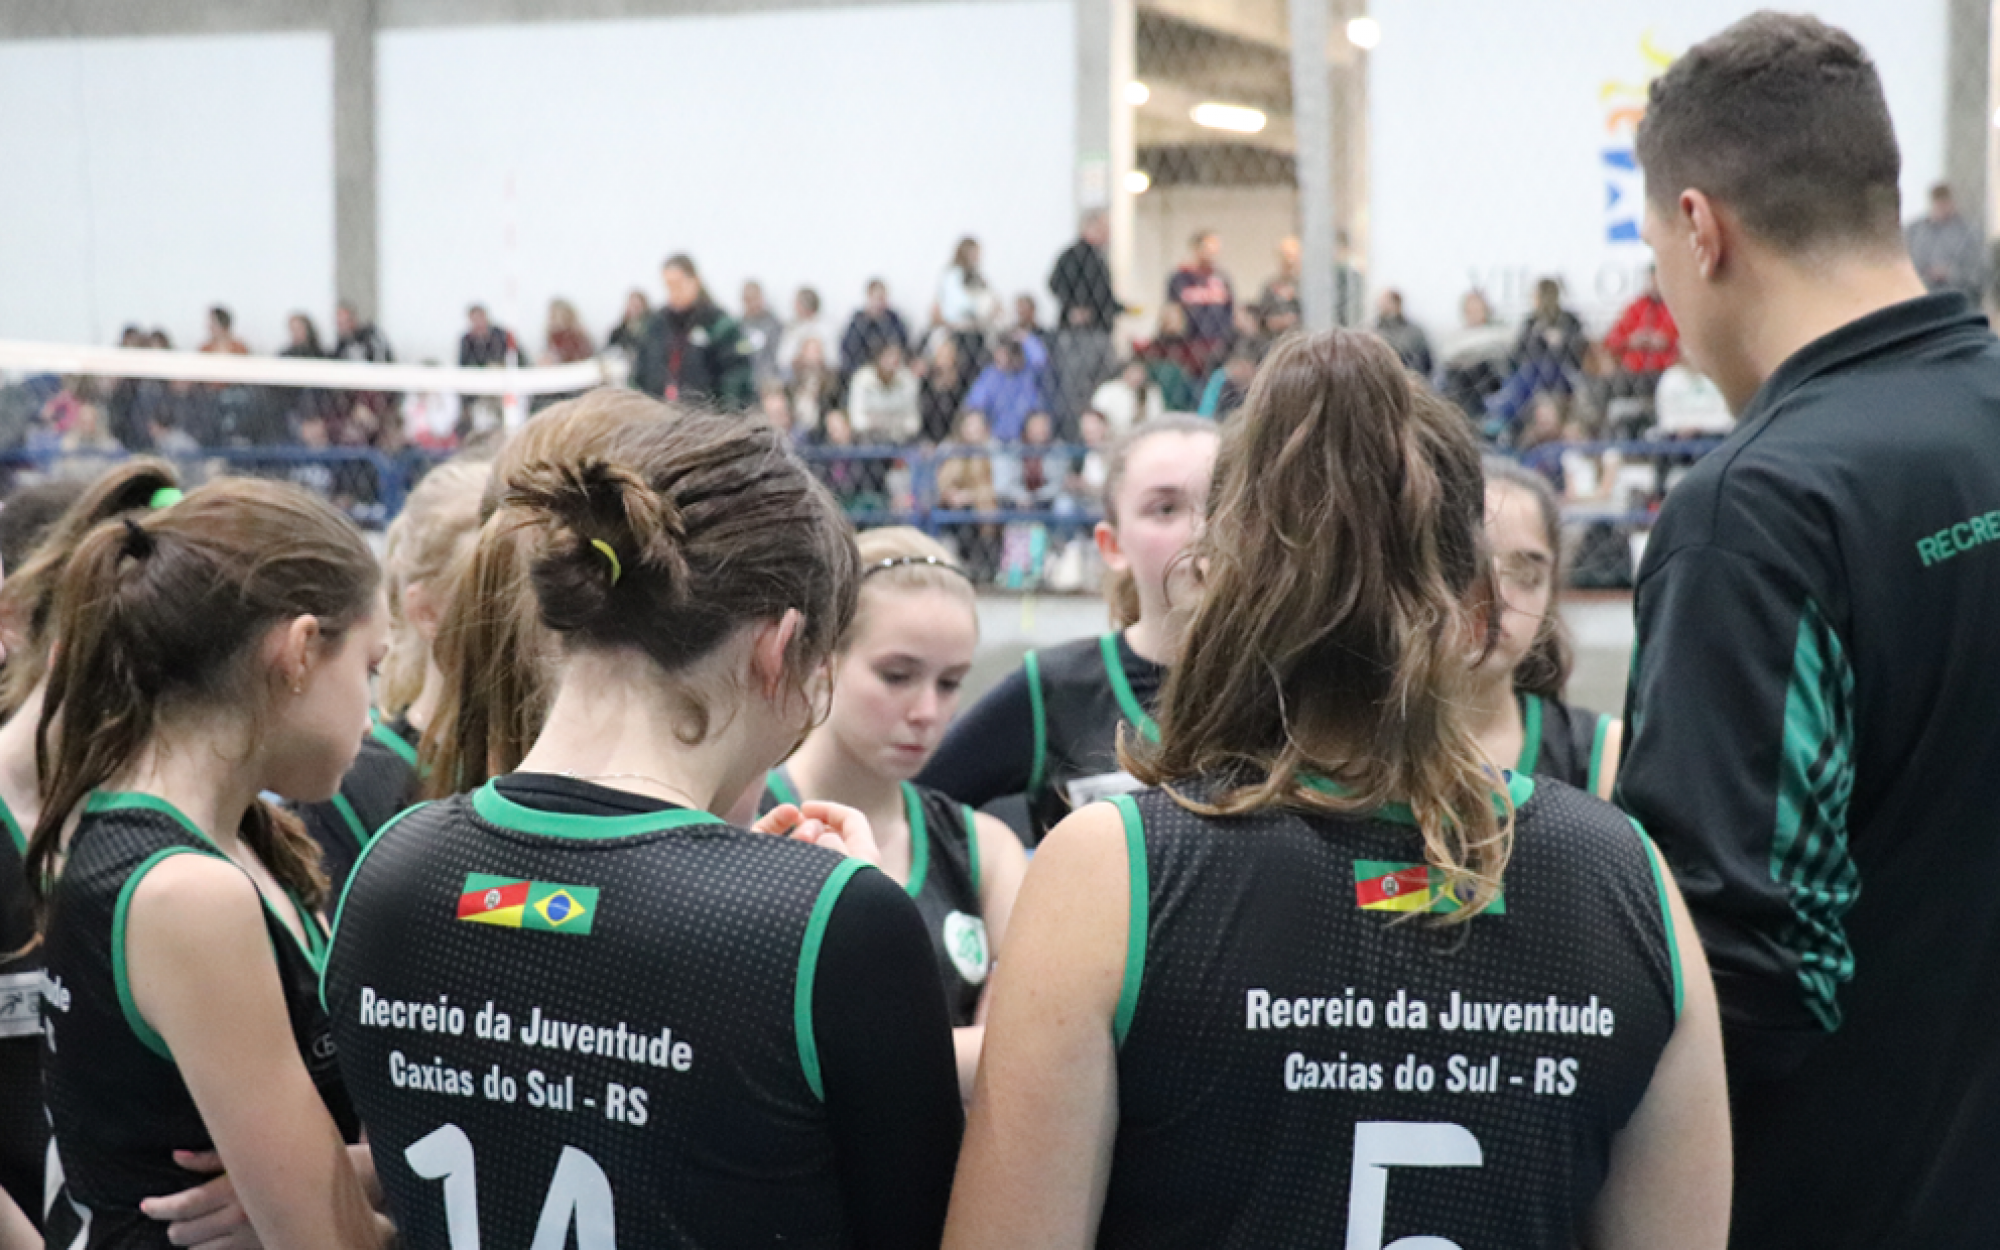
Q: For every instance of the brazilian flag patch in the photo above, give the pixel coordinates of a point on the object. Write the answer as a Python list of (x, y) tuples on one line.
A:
[(511, 903), (1384, 885)]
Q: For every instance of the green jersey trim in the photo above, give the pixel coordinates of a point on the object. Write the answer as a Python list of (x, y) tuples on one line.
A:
[(1666, 912), (1597, 751), (1031, 664), (13, 828), (972, 842), (802, 993), (340, 906), (1520, 788), (393, 740), (1809, 853), (920, 840), (498, 809), (353, 819), (1531, 733), (1139, 921), (1121, 689), (120, 975), (781, 787)]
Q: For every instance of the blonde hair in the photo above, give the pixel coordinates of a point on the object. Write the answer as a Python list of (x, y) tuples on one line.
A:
[(902, 543), (436, 524)]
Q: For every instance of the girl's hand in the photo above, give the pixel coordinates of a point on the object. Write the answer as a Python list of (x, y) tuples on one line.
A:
[(208, 1216), (830, 825)]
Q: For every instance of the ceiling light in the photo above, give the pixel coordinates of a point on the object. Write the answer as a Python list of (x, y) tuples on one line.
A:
[(1137, 93), (1245, 121), (1137, 182), (1364, 33)]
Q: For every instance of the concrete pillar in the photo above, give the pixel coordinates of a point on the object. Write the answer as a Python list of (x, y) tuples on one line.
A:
[(354, 221), (1106, 35)]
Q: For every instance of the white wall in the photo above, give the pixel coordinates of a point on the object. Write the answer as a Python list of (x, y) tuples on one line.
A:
[(147, 178), (822, 147), (1249, 220), (1489, 123)]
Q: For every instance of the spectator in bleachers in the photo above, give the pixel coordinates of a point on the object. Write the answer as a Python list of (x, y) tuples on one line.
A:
[(1349, 285), (1412, 346), (1229, 386), (1548, 356), (1034, 474), (1946, 248), (568, 342), (358, 340), (1644, 342), (1086, 311), (1688, 405), (1204, 294), (945, 383), (123, 422), (1129, 398), (310, 402), (776, 408), (484, 345), (762, 333), (856, 484), (692, 350), (873, 324), (221, 333), (1172, 359), (966, 305), (1473, 359), (1084, 486), (883, 399), (1006, 391), (1027, 328), (807, 327), (431, 418), (965, 483), (1547, 418), (631, 324), (1277, 309), (813, 387)]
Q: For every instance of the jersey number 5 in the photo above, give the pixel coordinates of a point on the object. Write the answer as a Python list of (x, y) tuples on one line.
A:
[(1383, 1144), (579, 1193)]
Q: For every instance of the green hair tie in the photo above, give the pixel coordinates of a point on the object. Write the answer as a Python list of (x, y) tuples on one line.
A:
[(617, 569), (166, 496)]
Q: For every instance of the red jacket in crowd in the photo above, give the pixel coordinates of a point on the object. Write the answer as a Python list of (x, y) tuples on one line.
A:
[(1645, 340)]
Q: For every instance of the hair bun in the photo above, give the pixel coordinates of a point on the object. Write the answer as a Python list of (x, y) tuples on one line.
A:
[(607, 526)]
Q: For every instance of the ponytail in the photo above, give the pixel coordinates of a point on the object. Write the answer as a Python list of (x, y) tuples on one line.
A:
[(1340, 560), (422, 548)]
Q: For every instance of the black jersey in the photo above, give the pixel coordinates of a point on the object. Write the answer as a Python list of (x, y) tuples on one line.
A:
[(24, 1129), (381, 783), (944, 884), (1049, 731), (1561, 741), (613, 1018), (1300, 1055), (116, 1099)]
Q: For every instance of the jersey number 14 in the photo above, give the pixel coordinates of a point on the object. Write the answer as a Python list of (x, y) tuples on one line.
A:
[(579, 1193)]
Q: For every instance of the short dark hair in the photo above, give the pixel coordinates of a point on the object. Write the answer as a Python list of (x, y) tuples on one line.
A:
[(1782, 118), (222, 317), (683, 262)]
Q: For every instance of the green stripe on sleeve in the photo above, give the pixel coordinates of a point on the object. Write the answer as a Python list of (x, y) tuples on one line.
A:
[(1597, 752), (1031, 664), (347, 888), (1121, 690), (1531, 733), (14, 830), (920, 840), (120, 974), (1666, 913), (353, 819), (394, 741), (781, 787), (802, 994), (972, 843), (1139, 920)]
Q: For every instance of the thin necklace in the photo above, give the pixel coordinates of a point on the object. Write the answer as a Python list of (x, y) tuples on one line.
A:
[(676, 791)]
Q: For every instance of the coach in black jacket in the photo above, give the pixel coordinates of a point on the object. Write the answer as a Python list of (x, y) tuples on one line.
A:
[(1812, 718), (690, 350)]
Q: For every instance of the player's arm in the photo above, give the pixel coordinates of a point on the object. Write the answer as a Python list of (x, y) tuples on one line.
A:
[(1002, 864), (1037, 1152), (1669, 1183), (1739, 760), (989, 751), (17, 1231), (1605, 767), (883, 1039), (205, 980)]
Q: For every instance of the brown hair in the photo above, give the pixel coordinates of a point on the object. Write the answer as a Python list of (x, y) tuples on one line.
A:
[(491, 646), (424, 544), (165, 611), (902, 543), (1342, 551), (1121, 591), (1546, 668), (27, 600), (677, 533), (1781, 117)]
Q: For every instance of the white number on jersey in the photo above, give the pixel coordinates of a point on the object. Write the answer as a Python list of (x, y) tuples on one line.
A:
[(1383, 1144), (579, 1194)]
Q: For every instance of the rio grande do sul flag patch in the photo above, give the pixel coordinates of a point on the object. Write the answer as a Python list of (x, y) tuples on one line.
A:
[(1385, 885), (512, 903)]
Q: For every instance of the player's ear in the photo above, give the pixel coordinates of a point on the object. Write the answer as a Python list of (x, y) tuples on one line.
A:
[(1708, 230), (1106, 537)]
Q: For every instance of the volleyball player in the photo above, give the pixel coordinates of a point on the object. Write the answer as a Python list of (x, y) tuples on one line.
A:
[(425, 541), (1049, 730), (1339, 983), (575, 999), (896, 676), (1516, 705), (216, 649)]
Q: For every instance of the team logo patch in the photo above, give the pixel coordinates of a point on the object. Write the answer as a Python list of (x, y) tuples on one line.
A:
[(1384, 885), (511, 903), (965, 942)]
